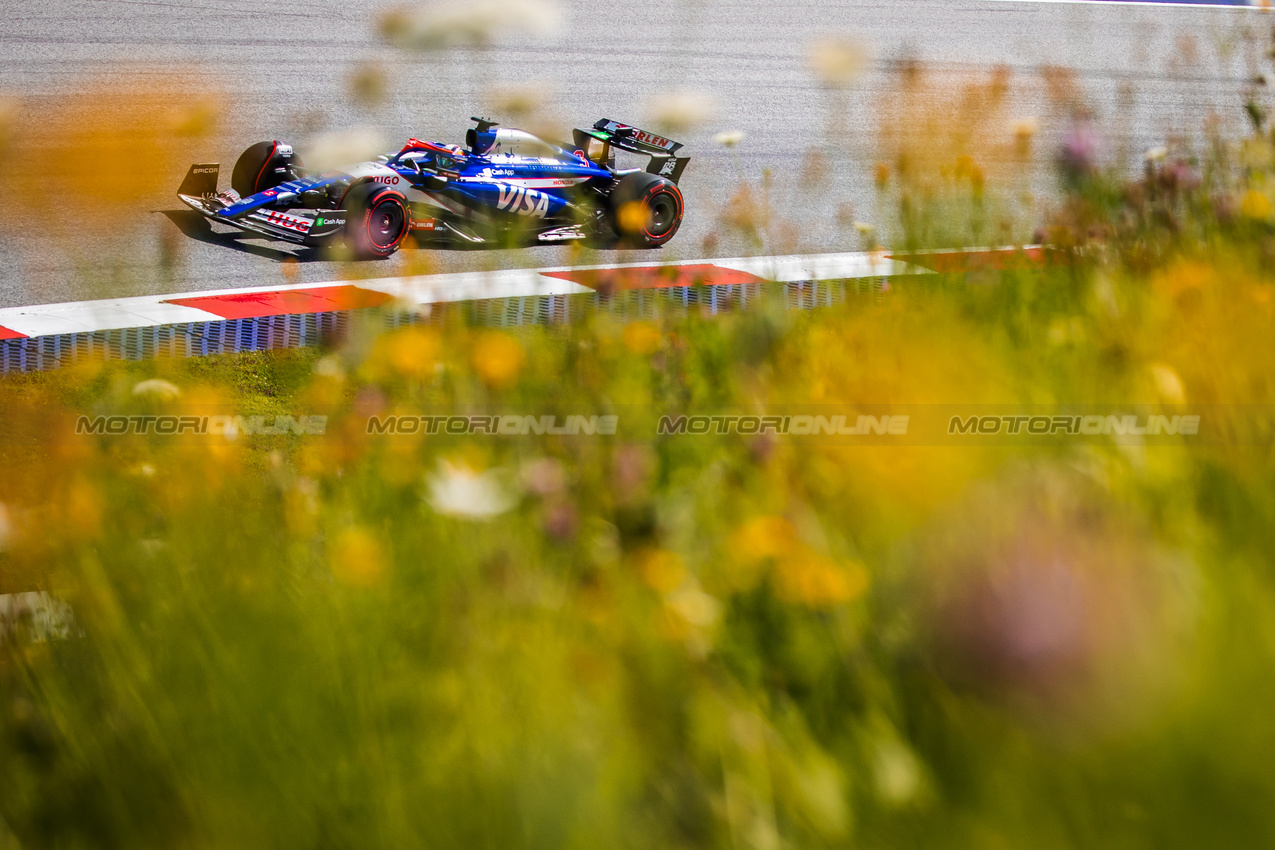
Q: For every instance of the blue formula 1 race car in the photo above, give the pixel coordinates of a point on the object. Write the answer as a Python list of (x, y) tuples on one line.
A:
[(506, 187)]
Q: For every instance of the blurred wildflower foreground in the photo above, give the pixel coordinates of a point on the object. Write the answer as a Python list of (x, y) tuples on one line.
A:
[(716, 641)]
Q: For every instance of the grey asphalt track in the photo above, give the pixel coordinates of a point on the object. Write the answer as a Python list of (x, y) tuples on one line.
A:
[(1149, 73)]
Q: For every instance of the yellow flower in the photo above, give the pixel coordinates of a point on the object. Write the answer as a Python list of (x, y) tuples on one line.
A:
[(84, 509), (8, 114), (498, 358), (196, 118), (358, 558), (881, 174), (663, 571), (641, 337), (410, 352), (1255, 205), (968, 169), (764, 537), (814, 580), (632, 218), (1184, 277), (750, 546), (1256, 153), (1023, 131), (87, 144), (6, 529), (400, 460)]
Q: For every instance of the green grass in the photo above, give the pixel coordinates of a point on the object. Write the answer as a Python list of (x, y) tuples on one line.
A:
[(715, 641)]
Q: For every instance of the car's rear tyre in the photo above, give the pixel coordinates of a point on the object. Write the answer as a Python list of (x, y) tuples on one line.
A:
[(263, 166), (646, 210), (376, 221)]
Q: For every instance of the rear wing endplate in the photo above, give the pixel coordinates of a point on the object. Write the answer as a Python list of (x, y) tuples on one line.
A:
[(663, 152)]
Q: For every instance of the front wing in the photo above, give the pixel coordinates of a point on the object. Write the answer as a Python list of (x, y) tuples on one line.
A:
[(302, 226)]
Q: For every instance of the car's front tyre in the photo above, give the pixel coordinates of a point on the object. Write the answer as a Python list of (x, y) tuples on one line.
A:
[(376, 221), (264, 166)]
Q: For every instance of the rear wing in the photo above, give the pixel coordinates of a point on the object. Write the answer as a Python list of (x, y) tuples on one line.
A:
[(663, 152)]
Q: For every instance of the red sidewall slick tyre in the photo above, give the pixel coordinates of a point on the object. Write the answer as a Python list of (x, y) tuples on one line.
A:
[(663, 214), (661, 205), (377, 220), (261, 167)]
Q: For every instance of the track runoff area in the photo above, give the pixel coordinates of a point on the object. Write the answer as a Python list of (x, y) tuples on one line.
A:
[(202, 323)]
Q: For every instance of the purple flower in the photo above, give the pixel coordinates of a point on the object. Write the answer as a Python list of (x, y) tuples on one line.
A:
[(1078, 158)]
